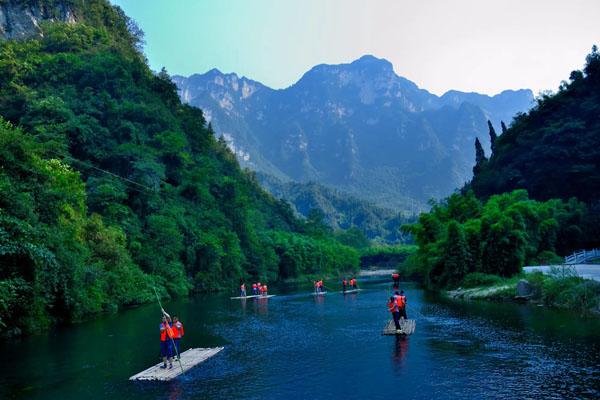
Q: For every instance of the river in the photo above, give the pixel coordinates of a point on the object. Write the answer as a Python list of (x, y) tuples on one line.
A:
[(294, 346)]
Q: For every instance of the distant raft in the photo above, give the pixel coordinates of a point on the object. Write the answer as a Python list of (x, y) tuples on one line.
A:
[(254, 296), (189, 359), (407, 327), (318, 293), (351, 291), (245, 297)]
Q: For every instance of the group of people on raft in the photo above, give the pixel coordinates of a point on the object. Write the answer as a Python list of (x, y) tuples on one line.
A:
[(351, 282), (319, 286), (171, 332), (257, 289)]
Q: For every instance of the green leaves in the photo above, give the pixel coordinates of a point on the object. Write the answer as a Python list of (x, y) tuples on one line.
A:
[(461, 235)]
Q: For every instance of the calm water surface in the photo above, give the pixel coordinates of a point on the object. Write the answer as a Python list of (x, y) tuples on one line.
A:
[(296, 346)]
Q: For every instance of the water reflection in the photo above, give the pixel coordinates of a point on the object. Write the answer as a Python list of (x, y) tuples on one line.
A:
[(400, 350), (319, 299), (261, 305), (175, 390)]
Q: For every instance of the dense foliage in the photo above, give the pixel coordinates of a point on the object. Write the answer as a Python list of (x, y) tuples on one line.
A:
[(464, 235), (552, 154), (553, 151), (109, 185)]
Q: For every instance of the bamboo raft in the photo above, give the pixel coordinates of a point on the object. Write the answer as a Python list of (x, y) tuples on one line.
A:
[(189, 359), (407, 327), (351, 291), (254, 296)]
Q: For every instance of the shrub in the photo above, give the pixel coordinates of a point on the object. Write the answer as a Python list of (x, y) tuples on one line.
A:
[(476, 279)]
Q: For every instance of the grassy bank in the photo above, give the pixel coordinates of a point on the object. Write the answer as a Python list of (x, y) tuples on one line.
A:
[(556, 289)]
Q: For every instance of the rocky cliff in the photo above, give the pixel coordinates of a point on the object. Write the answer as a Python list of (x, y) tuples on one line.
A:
[(21, 19)]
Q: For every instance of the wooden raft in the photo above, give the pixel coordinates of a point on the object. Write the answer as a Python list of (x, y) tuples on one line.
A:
[(407, 327), (189, 359)]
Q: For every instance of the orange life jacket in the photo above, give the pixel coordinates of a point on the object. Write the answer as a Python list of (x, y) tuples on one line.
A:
[(165, 331), (344, 282), (401, 301), (264, 288), (178, 330), (392, 306)]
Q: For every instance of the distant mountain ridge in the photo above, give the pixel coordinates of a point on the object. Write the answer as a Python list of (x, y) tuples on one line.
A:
[(358, 127), (341, 210)]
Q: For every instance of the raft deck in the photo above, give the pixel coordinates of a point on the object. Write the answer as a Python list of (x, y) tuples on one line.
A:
[(189, 359), (407, 327)]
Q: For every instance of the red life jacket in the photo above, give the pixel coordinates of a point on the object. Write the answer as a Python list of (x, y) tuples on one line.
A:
[(254, 286), (401, 301), (392, 306), (344, 282), (395, 276), (167, 331), (178, 330)]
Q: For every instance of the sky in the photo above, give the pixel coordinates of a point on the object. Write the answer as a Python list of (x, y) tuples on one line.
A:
[(482, 46)]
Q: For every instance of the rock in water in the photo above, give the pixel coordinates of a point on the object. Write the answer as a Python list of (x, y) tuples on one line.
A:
[(524, 288)]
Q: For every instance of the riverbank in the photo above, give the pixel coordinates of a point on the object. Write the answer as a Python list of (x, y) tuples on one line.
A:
[(552, 290)]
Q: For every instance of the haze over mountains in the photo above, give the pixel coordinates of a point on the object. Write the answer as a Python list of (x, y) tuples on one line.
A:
[(358, 127)]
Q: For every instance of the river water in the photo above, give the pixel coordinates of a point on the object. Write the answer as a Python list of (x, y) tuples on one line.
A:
[(296, 346)]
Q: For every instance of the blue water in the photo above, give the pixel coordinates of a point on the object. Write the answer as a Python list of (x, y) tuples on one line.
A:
[(296, 346)]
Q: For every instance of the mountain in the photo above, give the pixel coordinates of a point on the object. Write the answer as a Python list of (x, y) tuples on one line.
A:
[(357, 127)]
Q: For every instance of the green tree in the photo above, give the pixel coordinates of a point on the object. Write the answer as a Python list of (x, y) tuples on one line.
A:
[(457, 258), (493, 135)]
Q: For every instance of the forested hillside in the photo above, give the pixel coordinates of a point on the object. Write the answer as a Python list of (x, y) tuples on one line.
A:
[(535, 199), (109, 185), (340, 210), (554, 150)]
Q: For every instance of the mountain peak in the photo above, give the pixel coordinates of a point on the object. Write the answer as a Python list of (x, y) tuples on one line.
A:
[(370, 61)]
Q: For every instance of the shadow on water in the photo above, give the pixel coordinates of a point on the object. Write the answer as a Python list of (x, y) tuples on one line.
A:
[(298, 345)]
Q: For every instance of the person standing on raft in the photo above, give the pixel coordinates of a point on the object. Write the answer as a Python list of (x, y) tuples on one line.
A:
[(166, 338), (178, 331), (243, 290), (396, 278), (353, 283), (344, 284), (264, 290), (401, 303), (393, 307), (254, 289)]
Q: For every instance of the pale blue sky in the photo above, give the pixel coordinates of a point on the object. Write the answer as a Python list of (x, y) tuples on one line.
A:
[(471, 45)]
